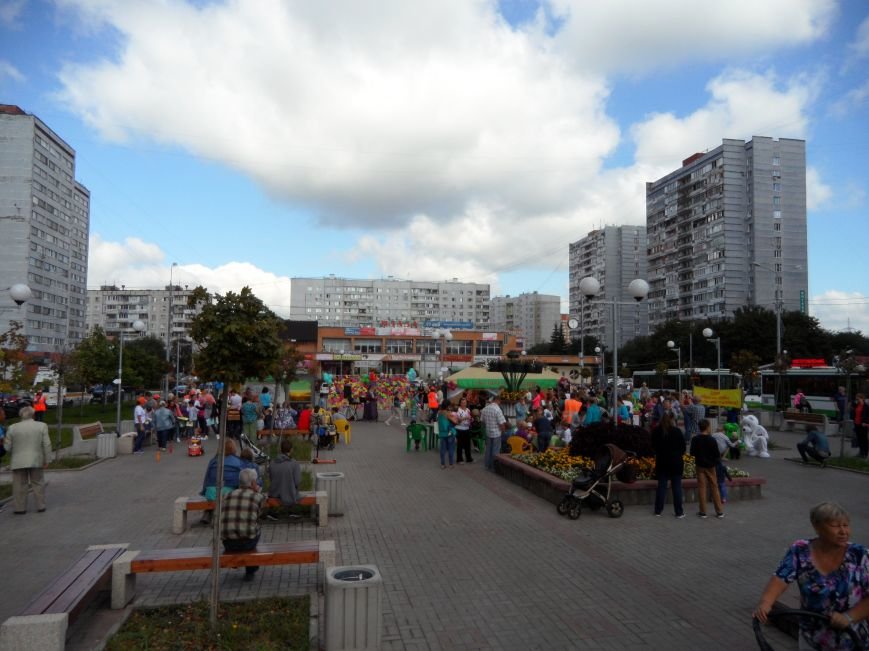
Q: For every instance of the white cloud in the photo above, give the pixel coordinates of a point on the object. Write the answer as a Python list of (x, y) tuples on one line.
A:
[(135, 263), (742, 104), (7, 70), (424, 120), (818, 193), (860, 45), (625, 35), (852, 100), (10, 12), (838, 310)]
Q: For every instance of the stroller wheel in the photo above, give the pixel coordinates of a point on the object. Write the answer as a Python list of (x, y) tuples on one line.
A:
[(564, 505), (615, 509), (575, 510)]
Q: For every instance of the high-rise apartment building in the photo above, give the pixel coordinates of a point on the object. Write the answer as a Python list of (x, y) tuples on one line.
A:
[(345, 302), (614, 256), (115, 308), (44, 224), (531, 316), (728, 229)]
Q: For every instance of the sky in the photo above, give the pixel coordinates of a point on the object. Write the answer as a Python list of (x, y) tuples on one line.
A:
[(252, 141)]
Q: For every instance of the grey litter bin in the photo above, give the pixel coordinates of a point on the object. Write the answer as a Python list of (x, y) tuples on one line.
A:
[(107, 445), (333, 484), (354, 608)]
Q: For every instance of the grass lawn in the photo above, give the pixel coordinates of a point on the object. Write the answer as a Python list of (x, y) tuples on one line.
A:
[(70, 463), (5, 491), (276, 623), (851, 463)]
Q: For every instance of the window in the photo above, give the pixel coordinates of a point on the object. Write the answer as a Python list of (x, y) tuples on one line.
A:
[(776, 201), (368, 346), (776, 160), (399, 346), (776, 226), (336, 345), (488, 348), (426, 346), (776, 187), (459, 347), (776, 214)]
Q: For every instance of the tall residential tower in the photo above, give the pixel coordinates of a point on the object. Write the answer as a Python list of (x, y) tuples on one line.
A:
[(531, 316), (44, 223), (614, 255), (728, 229)]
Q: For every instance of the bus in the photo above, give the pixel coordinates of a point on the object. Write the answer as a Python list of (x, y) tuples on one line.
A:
[(819, 384), (687, 379)]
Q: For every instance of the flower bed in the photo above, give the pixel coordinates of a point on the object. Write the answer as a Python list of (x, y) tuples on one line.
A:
[(559, 463)]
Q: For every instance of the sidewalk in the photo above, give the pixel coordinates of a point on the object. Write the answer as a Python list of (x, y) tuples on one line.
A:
[(469, 561)]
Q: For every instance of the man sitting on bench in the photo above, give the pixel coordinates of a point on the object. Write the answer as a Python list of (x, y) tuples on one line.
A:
[(285, 474), (240, 517)]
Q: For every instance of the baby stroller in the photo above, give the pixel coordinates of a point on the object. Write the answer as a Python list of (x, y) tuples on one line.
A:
[(259, 456), (595, 490)]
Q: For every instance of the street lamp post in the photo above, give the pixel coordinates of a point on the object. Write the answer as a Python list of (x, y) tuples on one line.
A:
[(602, 369), (707, 333), (341, 363), (638, 289), (169, 330), (676, 349), (138, 326)]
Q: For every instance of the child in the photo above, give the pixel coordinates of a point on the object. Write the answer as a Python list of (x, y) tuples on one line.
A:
[(704, 449)]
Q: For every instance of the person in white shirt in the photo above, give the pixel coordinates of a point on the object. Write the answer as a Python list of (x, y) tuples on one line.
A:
[(140, 417)]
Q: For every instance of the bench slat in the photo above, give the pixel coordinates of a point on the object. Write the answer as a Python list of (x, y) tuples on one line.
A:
[(205, 505), (71, 591), (199, 558)]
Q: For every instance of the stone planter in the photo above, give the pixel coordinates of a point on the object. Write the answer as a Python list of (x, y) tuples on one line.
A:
[(552, 489)]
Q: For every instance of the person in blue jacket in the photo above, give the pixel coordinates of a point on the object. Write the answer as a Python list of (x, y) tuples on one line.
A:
[(232, 466)]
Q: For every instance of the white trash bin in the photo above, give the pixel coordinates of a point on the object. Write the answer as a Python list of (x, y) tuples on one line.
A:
[(333, 484), (354, 608), (107, 445), (125, 443)]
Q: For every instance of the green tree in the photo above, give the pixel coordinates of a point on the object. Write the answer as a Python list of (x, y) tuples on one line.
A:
[(144, 362), (238, 339), (557, 342), (94, 360), (13, 353), (661, 369)]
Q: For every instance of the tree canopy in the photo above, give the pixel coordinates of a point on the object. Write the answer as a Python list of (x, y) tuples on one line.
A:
[(237, 336)]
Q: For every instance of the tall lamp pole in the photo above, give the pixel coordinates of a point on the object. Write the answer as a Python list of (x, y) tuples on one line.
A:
[(676, 349), (707, 332), (638, 290), (169, 330), (138, 326)]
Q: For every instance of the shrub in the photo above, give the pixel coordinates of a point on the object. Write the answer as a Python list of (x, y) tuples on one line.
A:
[(587, 441)]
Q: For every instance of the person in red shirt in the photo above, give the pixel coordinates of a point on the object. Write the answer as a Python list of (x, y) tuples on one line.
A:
[(39, 407), (860, 416)]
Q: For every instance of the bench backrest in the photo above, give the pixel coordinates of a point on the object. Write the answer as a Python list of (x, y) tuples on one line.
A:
[(90, 431)]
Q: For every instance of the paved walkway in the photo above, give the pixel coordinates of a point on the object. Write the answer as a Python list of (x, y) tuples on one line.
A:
[(469, 561)]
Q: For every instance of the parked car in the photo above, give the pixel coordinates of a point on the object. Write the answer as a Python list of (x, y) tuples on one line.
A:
[(100, 391), (13, 403)]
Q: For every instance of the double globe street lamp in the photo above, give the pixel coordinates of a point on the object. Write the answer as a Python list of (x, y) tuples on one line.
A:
[(707, 333), (638, 289)]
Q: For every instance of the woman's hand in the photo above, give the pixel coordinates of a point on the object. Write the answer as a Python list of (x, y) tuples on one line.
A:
[(840, 620), (761, 612)]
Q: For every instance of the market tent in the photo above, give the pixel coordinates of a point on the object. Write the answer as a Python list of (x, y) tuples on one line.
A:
[(475, 377)]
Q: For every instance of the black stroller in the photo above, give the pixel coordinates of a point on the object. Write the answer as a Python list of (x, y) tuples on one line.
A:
[(595, 490), (259, 456)]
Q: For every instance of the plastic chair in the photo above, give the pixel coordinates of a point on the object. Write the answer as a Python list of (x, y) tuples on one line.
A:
[(343, 428), (518, 445), (478, 438), (416, 433)]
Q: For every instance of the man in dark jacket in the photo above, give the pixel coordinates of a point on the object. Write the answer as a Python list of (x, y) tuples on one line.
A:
[(704, 449), (285, 473)]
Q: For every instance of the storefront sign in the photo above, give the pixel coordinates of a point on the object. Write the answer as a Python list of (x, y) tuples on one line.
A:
[(808, 363), (401, 357), (458, 358), (489, 336), (450, 325), (398, 331)]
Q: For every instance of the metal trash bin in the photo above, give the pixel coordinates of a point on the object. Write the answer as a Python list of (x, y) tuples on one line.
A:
[(107, 445), (333, 484), (354, 608)]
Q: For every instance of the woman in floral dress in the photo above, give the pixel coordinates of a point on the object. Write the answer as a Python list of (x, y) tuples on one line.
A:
[(833, 577)]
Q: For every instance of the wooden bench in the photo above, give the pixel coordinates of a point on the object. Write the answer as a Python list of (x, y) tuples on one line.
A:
[(131, 563), (84, 438), (45, 620), (183, 505), (795, 417)]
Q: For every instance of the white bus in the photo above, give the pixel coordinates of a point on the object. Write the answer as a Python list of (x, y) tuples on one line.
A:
[(819, 384)]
